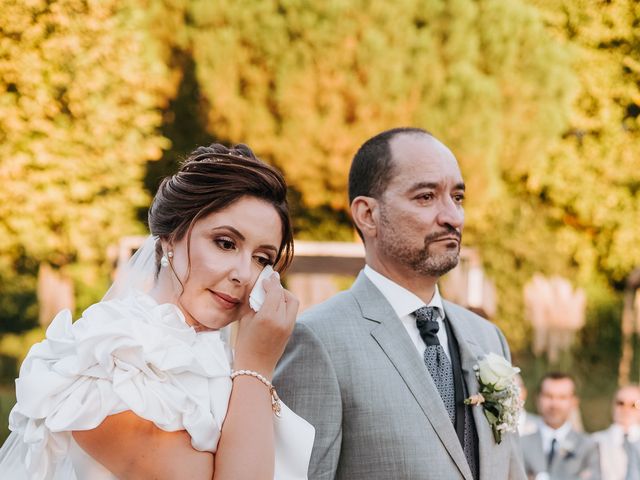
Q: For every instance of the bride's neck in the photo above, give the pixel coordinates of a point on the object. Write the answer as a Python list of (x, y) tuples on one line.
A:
[(164, 290)]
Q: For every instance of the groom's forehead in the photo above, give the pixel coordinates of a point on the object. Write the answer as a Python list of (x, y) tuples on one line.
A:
[(422, 158)]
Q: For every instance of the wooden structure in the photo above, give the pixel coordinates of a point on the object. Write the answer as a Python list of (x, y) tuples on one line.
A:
[(630, 325)]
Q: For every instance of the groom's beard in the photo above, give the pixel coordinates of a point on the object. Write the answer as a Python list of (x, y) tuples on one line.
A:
[(420, 259)]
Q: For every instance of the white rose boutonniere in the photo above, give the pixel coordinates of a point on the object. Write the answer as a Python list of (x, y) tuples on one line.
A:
[(499, 394)]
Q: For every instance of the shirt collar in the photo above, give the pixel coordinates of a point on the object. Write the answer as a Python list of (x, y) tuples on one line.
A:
[(403, 301), (633, 433), (559, 434)]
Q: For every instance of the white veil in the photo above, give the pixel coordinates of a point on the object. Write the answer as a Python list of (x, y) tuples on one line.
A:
[(138, 274)]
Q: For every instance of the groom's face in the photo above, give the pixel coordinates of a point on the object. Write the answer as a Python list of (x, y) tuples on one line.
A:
[(421, 213)]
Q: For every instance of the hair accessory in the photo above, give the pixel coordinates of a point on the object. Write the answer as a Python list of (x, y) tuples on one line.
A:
[(276, 406)]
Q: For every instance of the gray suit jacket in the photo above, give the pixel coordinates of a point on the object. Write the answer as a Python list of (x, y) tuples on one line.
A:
[(352, 371), (576, 459)]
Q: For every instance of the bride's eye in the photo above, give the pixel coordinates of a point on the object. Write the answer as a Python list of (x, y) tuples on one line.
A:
[(263, 261), (225, 243)]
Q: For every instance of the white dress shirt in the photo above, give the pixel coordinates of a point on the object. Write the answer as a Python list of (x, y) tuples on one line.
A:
[(404, 303), (548, 434)]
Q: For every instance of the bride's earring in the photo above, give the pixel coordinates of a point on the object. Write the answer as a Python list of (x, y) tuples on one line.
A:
[(164, 261)]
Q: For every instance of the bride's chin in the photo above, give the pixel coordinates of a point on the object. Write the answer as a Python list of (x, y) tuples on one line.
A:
[(216, 323), (201, 328)]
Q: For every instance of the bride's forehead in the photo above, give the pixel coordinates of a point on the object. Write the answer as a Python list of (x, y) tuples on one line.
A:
[(250, 216)]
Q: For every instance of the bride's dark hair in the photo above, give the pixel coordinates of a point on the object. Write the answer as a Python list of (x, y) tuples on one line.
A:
[(210, 179)]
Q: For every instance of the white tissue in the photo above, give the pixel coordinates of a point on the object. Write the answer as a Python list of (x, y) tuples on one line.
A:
[(256, 297)]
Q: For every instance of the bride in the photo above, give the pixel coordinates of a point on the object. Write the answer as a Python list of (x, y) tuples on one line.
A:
[(145, 385)]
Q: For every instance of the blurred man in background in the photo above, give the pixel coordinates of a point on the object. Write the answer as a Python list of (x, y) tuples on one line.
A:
[(620, 443), (557, 451), (527, 422)]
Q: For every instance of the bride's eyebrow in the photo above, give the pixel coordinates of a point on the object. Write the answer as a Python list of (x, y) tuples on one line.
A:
[(241, 237), (231, 229)]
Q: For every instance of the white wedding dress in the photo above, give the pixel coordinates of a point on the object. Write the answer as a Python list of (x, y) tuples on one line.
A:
[(127, 354)]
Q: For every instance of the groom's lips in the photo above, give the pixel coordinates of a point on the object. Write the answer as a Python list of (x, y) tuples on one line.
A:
[(448, 235), (454, 241)]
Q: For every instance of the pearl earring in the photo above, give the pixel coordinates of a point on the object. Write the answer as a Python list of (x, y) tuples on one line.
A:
[(164, 261)]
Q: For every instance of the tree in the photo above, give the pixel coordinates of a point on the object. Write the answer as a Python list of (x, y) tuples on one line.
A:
[(306, 84), (82, 84), (591, 180)]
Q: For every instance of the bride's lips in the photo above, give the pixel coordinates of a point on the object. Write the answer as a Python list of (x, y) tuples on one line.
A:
[(224, 300)]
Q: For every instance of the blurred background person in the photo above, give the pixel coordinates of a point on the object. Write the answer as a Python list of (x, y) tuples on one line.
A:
[(557, 451), (527, 422), (620, 443)]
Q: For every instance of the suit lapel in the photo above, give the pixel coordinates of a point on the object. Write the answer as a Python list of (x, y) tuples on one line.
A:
[(568, 448), (470, 353), (536, 453), (391, 336)]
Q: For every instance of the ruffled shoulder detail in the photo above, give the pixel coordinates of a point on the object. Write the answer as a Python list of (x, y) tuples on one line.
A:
[(123, 354)]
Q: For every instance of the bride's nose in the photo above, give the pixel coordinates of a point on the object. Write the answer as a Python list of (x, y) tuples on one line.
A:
[(241, 271)]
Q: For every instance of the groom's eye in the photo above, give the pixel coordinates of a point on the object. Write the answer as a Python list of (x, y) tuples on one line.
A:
[(426, 197)]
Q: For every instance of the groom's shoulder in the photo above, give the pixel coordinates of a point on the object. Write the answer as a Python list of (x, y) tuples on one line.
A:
[(331, 314), (482, 328), (468, 315)]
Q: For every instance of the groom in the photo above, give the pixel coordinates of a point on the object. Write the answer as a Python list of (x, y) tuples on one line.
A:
[(382, 369)]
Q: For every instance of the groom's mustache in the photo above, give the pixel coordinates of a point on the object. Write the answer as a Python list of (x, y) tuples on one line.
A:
[(450, 232)]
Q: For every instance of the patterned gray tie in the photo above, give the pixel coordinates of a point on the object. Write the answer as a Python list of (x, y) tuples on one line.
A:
[(441, 371), (435, 359)]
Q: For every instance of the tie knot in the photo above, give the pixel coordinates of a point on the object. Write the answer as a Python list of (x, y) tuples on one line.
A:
[(427, 323)]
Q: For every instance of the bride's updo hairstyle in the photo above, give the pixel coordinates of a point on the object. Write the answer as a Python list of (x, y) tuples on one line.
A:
[(211, 179)]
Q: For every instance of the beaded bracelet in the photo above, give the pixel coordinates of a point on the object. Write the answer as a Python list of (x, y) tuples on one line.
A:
[(276, 406)]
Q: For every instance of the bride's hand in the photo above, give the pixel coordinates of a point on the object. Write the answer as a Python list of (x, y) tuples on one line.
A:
[(262, 336)]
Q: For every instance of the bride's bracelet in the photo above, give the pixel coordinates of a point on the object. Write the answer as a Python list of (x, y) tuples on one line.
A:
[(276, 406)]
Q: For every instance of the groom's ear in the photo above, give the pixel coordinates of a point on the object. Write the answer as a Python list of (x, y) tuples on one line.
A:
[(364, 212)]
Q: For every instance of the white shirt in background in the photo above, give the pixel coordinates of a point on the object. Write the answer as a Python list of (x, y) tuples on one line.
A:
[(548, 434), (613, 458)]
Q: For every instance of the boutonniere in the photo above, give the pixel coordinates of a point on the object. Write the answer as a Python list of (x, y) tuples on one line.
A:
[(498, 394), (567, 449)]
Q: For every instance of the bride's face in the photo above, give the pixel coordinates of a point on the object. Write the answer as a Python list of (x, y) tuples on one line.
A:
[(228, 250)]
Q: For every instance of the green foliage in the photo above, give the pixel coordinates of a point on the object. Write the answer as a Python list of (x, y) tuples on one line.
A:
[(18, 309), (17, 345), (592, 178), (82, 84), (573, 209), (184, 123), (305, 84), (538, 99), (7, 400)]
